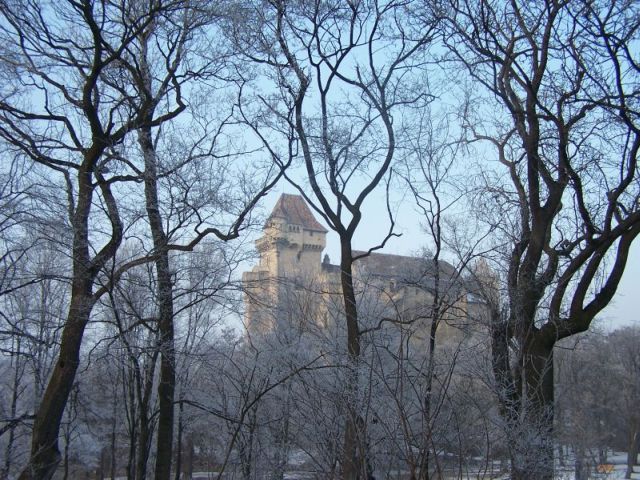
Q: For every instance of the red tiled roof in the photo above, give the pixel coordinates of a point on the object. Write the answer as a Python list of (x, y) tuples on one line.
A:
[(293, 209)]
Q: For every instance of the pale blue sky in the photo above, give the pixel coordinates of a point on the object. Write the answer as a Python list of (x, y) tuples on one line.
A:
[(622, 311)]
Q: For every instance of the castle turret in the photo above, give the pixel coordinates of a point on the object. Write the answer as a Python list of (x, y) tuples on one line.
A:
[(293, 289), (293, 239), (290, 252)]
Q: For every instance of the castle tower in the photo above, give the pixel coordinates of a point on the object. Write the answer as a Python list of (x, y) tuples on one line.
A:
[(293, 239), (290, 251), (292, 289)]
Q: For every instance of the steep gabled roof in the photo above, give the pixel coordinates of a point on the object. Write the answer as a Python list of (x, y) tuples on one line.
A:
[(293, 209)]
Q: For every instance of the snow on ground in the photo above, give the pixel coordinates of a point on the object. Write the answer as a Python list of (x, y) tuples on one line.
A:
[(617, 459)]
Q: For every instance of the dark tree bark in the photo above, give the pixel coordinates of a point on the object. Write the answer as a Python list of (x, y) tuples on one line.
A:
[(310, 59), (164, 287), (180, 441), (81, 60), (71, 141), (13, 412), (633, 448), (166, 384), (560, 71), (45, 453), (144, 381)]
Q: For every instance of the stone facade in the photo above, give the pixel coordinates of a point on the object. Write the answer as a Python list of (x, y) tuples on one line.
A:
[(289, 252), (292, 287)]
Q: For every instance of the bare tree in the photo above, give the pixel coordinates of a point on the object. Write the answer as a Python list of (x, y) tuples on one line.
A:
[(561, 83), (87, 77), (33, 310), (337, 108), (623, 346), (431, 173), (14, 208), (586, 390), (69, 54)]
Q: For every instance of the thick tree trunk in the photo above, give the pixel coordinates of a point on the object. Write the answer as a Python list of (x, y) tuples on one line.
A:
[(354, 459), (526, 397), (166, 386), (632, 450), (533, 454), (144, 445), (165, 418), (45, 454)]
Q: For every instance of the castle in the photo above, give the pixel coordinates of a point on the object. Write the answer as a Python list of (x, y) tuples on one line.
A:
[(292, 287)]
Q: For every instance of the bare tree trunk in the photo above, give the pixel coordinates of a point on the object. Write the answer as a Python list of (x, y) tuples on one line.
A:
[(328, 160), (353, 434), (65, 463), (187, 462), (179, 450), (533, 454), (71, 414), (428, 398), (245, 448), (144, 444), (166, 385), (100, 111), (12, 411), (45, 454), (130, 405), (146, 430), (112, 450), (526, 398), (632, 450)]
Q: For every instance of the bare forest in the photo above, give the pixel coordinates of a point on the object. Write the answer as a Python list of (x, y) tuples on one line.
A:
[(161, 318)]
